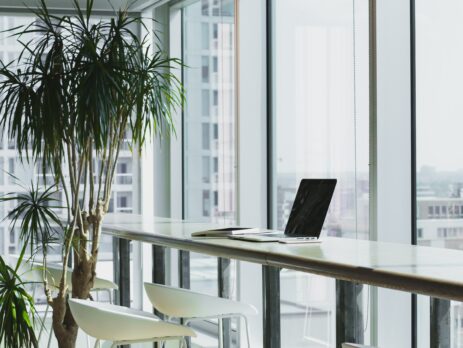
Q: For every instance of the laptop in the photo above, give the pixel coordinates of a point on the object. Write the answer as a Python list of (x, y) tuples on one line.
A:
[(307, 215)]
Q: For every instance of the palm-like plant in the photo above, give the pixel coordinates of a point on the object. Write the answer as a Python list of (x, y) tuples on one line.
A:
[(17, 311), (78, 88)]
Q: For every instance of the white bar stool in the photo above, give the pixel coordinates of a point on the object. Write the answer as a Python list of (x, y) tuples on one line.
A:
[(192, 306), (33, 272), (53, 278), (122, 325)]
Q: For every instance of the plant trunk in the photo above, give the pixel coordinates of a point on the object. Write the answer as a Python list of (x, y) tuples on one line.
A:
[(64, 325), (83, 277)]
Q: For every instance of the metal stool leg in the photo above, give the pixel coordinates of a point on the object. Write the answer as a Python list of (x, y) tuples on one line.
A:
[(42, 326), (49, 336), (220, 333), (246, 324), (109, 296)]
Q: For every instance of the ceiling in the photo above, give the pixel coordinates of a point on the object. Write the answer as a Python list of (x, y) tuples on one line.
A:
[(101, 5)]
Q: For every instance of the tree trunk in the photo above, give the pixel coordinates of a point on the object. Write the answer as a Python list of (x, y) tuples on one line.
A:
[(83, 277), (64, 326)]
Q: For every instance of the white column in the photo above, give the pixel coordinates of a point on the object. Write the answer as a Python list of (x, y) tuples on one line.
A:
[(252, 144), (392, 157)]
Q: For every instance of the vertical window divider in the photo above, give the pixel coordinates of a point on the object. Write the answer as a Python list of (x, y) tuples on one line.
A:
[(373, 197), (414, 305)]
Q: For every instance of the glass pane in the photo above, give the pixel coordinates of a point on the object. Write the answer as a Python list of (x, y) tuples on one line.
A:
[(209, 120), (439, 72), (321, 130), (209, 125)]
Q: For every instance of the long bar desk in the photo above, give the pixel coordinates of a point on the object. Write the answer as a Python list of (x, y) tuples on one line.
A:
[(417, 269)]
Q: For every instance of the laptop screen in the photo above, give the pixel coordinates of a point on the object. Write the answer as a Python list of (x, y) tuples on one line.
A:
[(310, 207)]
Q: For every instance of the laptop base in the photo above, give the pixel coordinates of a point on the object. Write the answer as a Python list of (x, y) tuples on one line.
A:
[(275, 237)]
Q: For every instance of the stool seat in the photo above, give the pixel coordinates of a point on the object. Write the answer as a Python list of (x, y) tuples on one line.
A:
[(33, 272), (190, 305), (116, 323), (183, 303), (54, 276)]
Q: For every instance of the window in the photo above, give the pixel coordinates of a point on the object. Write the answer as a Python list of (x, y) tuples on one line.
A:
[(216, 198), (215, 97), (206, 203), (215, 64), (124, 171), (11, 170), (208, 154), (205, 69), (215, 31), (12, 237), (124, 202), (122, 168), (195, 19), (439, 72), (205, 40), (205, 102), (206, 169), (320, 104), (206, 136), (216, 131), (205, 7), (215, 8)]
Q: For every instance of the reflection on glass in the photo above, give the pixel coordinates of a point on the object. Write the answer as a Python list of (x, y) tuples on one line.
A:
[(321, 130), (439, 53)]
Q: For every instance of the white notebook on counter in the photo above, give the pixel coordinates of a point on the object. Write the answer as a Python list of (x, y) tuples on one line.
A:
[(227, 231)]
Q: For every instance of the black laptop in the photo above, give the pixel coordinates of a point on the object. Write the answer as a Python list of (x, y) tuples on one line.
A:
[(307, 215)]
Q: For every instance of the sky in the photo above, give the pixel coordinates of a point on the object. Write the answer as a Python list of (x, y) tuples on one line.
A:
[(314, 108), (439, 71)]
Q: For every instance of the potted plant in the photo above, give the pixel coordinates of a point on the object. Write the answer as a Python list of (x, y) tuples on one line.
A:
[(78, 88)]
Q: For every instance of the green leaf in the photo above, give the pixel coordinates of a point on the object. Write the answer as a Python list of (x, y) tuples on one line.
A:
[(17, 310)]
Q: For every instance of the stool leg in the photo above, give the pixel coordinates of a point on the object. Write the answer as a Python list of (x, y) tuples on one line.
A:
[(49, 336), (220, 333), (42, 326), (247, 330), (186, 322)]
